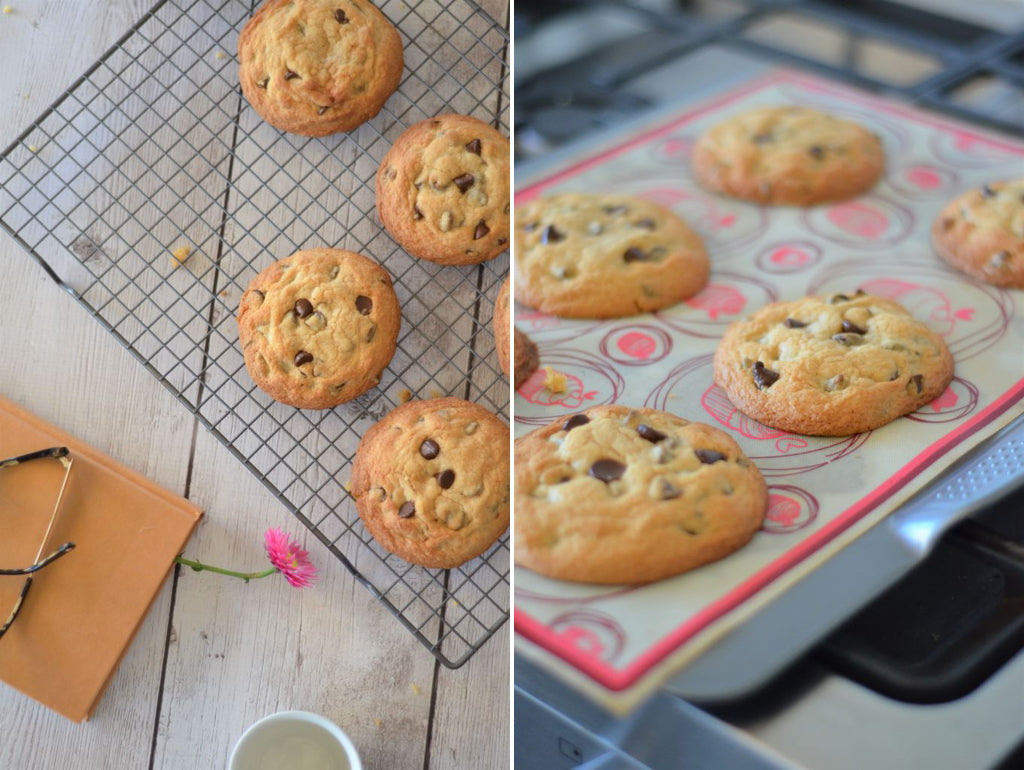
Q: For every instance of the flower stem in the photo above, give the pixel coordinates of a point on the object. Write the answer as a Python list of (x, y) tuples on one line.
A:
[(198, 566)]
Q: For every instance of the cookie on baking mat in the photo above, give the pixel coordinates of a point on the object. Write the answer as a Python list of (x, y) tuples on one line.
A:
[(831, 365), (604, 256), (443, 190), (431, 481), (618, 495), (788, 156), (317, 328), (315, 67), (982, 233), (527, 357)]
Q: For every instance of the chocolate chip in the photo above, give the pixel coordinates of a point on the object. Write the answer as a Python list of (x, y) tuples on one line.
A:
[(416, 213), (708, 456), (364, 304), (446, 478), (303, 308), (669, 491), (848, 339), (616, 210), (464, 182), (407, 509), (646, 224), (816, 151), (835, 299), (918, 381), (764, 377), (575, 421), (895, 375), (762, 138), (649, 433), (429, 449), (792, 323), (302, 357), (322, 110), (986, 191), (551, 234), (481, 230), (633, 255), (289, 75), (501, 241), (339, 16), (263, 83), (607, 470), (474, 146), (850, 326)]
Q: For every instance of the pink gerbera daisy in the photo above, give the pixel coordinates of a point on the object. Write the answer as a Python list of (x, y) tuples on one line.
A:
[(290, 559)]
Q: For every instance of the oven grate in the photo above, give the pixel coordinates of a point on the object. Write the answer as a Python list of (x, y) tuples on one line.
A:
[(154, 149)]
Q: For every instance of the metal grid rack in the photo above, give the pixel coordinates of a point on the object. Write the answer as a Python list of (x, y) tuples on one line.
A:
[(154, 148)]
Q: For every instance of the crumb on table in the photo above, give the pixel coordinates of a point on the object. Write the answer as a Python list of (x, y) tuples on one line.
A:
[(435, 393), (405, 395), (180, 254), (8, 9), (219, 55), (33, 148), (415, 689), (378, 722), (555, 382)]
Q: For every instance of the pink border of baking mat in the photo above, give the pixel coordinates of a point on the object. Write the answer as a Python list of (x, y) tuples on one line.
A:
[(618, 679)]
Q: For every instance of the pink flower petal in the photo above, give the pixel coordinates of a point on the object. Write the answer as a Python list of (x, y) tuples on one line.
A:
[(290, 559)]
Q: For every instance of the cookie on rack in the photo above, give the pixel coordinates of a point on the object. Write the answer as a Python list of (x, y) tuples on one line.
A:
[(617, 495), (790, 156), (431, 481), (443, 190), (316, 67), (981, 233), (527, 357), (584, 255), (318, 328), (831, 365)]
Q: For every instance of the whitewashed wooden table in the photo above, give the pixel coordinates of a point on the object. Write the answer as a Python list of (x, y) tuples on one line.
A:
[(214, 654)]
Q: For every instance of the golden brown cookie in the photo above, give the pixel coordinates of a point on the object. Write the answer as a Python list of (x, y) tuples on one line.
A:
[(443, 190), (981, 233), (315, 67), (831, 365), (604, 256), (791, 156), (317, 328), (431, 481), (527, 359), (619, 495)]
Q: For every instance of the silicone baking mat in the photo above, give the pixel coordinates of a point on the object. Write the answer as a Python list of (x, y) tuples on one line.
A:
[(823, 491)]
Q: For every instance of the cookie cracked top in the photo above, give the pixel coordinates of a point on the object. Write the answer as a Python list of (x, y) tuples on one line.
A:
[(604, 256), (443, 190), (831, 365), (431, 481), (981, 233), (318, 328), (788, 156), (315, 67), (620, 495)]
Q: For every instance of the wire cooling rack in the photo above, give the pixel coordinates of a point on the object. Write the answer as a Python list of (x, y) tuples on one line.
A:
[(154, 149)]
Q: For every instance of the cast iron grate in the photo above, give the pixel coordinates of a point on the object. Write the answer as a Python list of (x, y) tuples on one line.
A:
[(154, 148)]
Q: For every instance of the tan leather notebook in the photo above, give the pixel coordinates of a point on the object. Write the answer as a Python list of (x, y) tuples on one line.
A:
[(83, 609)]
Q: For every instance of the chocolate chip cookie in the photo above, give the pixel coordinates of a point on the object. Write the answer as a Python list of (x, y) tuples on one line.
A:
[(619, 495), (526, 354), (604, 256), (315, 67), (431, 481), (831, 365), (317, 328), (443, 190), (982, 233), (792, 156)]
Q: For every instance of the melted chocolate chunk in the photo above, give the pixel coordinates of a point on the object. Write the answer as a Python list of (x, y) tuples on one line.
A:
[(263, 83), (407, 509), (616, 210), (364, 304), (464, 182), (446, 478), (289, 75), (848, 339), (474, 146), (551, 234), (708, 456), (303, 308), (429, 449), (322, 110), (986, 191), (918, 380), (340, 17), (649, 433), (481, 230), (646, 224), (669, 491), (850, 326), (764, 377), (633, 254), (792, 323), (302, 357), (607, 470), (816, 151), (416, 213), (835, 299), (575, 421)]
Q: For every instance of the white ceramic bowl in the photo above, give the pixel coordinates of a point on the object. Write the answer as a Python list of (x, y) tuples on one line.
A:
[(294, 739)]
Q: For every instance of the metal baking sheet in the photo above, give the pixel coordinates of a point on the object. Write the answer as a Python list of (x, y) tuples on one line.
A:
[(620, 643)]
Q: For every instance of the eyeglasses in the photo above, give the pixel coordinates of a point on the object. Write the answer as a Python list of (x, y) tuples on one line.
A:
[(59, 453)]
